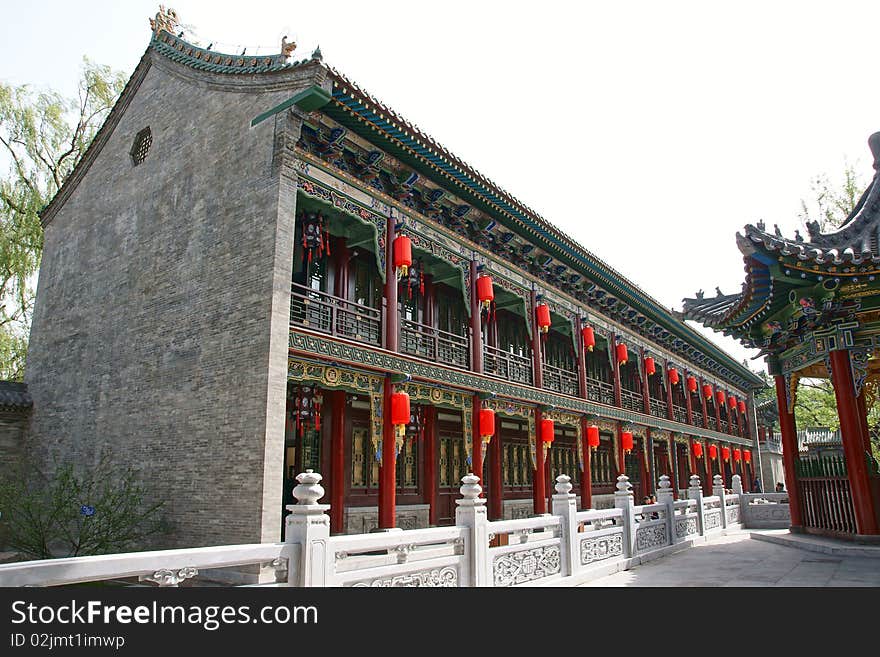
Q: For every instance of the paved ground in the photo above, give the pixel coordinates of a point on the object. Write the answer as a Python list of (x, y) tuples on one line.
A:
[(739, 560)]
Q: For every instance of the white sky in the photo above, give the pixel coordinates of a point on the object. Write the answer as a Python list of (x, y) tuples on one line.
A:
[(649, 131)]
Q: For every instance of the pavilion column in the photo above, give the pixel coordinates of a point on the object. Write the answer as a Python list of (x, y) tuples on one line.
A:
[(717, 406), (587, 474), (670, 413), (538, 488), (672, 455), (476, 441), (392, 318), (476, 328), (648, 465), (692, 460), (496, 483), (537, 360), (337, 461), (853, 446), (643, 383), (789, 451), (388, 469), (430, 463)]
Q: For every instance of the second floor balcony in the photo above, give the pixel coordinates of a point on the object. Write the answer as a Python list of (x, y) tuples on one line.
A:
[(333, 315), (631, 401), (658, 407), (679, 414), (433, 344), (560, 380), (600, 391), (505, 365)]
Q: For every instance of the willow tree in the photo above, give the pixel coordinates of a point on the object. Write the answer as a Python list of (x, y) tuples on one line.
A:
[(42, 136)]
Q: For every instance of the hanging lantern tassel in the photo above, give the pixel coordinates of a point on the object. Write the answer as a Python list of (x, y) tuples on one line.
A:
[(487, 425), (673, 376), (698, 450), (400, 413), (692, 383), (547, 431), (713, 452), (319, 399), (725, 453), (742, 406), (402, 255), (707, 391), (593, 437), (747, 456), (626, 440), (650, 367), (736, 455)]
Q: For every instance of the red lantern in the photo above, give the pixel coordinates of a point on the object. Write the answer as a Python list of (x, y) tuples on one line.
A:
[(742, 406), (626, 439), (400, 413), (698, 450), (487, 424), (747, 456), (622, 356), (593, 437), (589, 338), (650, 368), (543, 314), (713, 451), (707, 391), (719, 397), (736, 454), (547, 431), (485, 292), (725, 453), (692, 383), (402, 255), (673, 376), (731, 401)]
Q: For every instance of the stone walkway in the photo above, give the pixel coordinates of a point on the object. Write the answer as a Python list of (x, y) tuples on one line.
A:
[(737, 559)]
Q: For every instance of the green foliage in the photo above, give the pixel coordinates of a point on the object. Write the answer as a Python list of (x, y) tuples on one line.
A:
[(815, 405), (832, 201), (42, 137), (51, 516)]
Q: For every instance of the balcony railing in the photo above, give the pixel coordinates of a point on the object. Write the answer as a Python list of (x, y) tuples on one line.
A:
[(433, 344), (679, 414), (600, 391), (698, 419), (631, 401), (658, 408), (512, 367), (725, 428), (326, 313), (560, 380)]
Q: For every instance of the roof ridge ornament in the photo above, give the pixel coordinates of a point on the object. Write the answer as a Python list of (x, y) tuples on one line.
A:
[(287, 47), (166, 19)]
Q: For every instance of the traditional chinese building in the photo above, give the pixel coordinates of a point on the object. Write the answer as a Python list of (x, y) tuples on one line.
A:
[(258, 268), (812, 307)]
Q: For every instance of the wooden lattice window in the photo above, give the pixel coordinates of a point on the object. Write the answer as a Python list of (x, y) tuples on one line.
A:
[(141, 146)]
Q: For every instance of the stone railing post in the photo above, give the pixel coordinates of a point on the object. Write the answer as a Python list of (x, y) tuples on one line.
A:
[(737, 485), (564, 505), (623, 499), (695, 492), (308, 525), (471, 513), (665, 496), (718, 489)]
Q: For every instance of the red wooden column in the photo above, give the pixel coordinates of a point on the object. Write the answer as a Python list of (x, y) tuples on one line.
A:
[(538, 487), (337, 460), (476, 328), (388, 469), (496, 483), (582, 359), (430, 463), (672, 455), (621, 455), (392, 317), (647, 462), (703, 403), (587, 474), (643, 383), (670, 413), (688, 402), (789, 452), (476, 441), (615, 370), (692, 460), (717, 413), (853, 446), (537, 361)]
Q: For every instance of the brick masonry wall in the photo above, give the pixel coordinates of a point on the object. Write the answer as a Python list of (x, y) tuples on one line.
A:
[(161, 320)]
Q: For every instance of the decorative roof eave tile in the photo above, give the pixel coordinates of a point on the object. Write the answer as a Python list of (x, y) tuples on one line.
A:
[(183, 52), (349, 97)]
